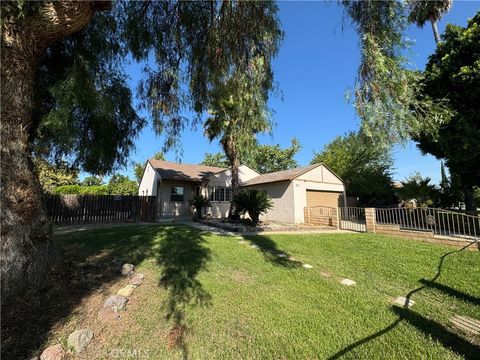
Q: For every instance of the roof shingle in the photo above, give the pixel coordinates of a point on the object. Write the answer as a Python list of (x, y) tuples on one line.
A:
[(189, 172), (280, 175)]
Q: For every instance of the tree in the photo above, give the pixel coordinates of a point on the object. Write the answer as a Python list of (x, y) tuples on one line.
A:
[(138, 169), (452, 73), (159, 156), (217, 160), (122, 185), (415, 187), (254, 202), (92, 181), (364, 167), (63, 100), (54, 175), (385, 92), (270, 158), (428, 10)]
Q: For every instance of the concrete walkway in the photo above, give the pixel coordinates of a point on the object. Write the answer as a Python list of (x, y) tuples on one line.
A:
[(219, 231)]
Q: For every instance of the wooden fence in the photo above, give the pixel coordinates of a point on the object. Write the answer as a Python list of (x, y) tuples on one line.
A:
[(80, 209)]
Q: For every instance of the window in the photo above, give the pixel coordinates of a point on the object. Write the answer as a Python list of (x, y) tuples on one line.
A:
[(219, 193), (176, 193)]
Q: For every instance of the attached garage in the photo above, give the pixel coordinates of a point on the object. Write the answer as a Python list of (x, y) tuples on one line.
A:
[(292, 191), (323, 198)]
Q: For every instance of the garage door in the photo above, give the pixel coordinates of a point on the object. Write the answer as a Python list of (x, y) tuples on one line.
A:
[(323, 198)]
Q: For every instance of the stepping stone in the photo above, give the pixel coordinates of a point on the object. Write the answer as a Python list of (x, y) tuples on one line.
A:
[(403, 301), (54, 352), (137, 280), (241, 242), (107, 315), (307, 266), (348, 282), (466, 324), (127, 269), (281, 255), (254, 246), (79, 339), (126, 291), (116, 302)]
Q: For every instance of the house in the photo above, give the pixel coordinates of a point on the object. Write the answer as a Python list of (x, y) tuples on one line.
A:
[(174, 184)]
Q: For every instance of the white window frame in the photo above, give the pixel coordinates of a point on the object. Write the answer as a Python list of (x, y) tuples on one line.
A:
[(219, 193)]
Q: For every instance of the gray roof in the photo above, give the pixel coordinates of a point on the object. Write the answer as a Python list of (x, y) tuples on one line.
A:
[(188, 172), (280, 175)]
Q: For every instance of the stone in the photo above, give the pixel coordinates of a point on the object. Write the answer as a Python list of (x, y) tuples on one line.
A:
[(307, 266), (348, 282), (115, 302), (137, 279), (126, 291), (241, 242), (281, 255), (107, 315), (254, 246), (127, 269), (79, 339), (403, 301), (54, 352)]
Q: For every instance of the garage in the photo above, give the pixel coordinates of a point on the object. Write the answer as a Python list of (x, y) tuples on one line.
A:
[(323, 198)]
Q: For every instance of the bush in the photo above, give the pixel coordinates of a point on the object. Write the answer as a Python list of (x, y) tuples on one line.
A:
[(199, 202), (80, 190), (253, 201)]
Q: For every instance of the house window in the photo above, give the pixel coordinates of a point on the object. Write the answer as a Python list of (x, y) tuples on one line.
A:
[(176, 193), (219, 193)]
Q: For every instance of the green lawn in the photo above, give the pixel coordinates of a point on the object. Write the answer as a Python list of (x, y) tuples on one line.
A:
[(211, 297)]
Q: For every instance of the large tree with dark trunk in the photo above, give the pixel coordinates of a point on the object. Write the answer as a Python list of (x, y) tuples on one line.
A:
[(64, 94)]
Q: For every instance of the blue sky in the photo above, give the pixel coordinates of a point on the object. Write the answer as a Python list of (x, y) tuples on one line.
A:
[(316, 65)]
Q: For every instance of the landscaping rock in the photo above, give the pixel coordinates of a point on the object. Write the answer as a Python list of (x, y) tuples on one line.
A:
[(307, 266), (281, 255), (127, 269), (54, 352), (126, 291), (403, 301), (115, 302), (79, 339), (107, 315), (348, 282), (136, 280), (254, 246)]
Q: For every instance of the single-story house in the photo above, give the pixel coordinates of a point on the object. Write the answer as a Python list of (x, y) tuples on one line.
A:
[(174, 184)]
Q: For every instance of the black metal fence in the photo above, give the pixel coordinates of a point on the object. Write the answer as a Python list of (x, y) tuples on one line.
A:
[(439, 221), (352, 218)]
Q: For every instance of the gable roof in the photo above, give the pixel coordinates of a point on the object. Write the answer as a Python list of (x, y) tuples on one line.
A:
[(280, 175), (189, 172)]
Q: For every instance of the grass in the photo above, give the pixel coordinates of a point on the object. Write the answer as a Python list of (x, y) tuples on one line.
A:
[(207, 296)]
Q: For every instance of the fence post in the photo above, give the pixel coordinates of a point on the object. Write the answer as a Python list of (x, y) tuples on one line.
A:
[(370, 219), (339, 218)]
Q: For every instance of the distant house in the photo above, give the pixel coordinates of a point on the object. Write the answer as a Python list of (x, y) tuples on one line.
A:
[(174, 184)]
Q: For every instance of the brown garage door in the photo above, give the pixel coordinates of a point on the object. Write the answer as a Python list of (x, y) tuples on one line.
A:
[(322, 198)]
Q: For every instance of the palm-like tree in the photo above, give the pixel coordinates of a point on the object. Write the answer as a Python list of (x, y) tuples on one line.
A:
[(429, 10), (238, 113)]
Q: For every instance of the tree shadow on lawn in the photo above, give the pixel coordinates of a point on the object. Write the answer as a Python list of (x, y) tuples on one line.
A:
[(427, 326), (27, 323), (270, 251), (182, 256)]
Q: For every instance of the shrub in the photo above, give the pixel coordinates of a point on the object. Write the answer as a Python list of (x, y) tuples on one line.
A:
[(199, 202), (253, 201), (67, 190)]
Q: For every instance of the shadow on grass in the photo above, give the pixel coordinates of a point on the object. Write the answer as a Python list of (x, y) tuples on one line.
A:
[(271, 252), (86, 267), (181, 256), (428, 327)]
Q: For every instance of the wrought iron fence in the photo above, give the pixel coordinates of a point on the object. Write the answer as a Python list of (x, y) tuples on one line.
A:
[(352, 218), (439, 221)]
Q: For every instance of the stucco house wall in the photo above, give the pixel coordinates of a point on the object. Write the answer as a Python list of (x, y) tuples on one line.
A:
[(282, 197), (148, 184), (175, 208)]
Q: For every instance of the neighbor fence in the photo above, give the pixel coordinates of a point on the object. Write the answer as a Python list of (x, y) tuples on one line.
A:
[(321, 215), (439, 221), (78, 209)]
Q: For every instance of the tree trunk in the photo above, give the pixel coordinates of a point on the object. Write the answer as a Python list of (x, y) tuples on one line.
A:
[(436, 34), (230, 149), (26, 247), (470, 205)]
